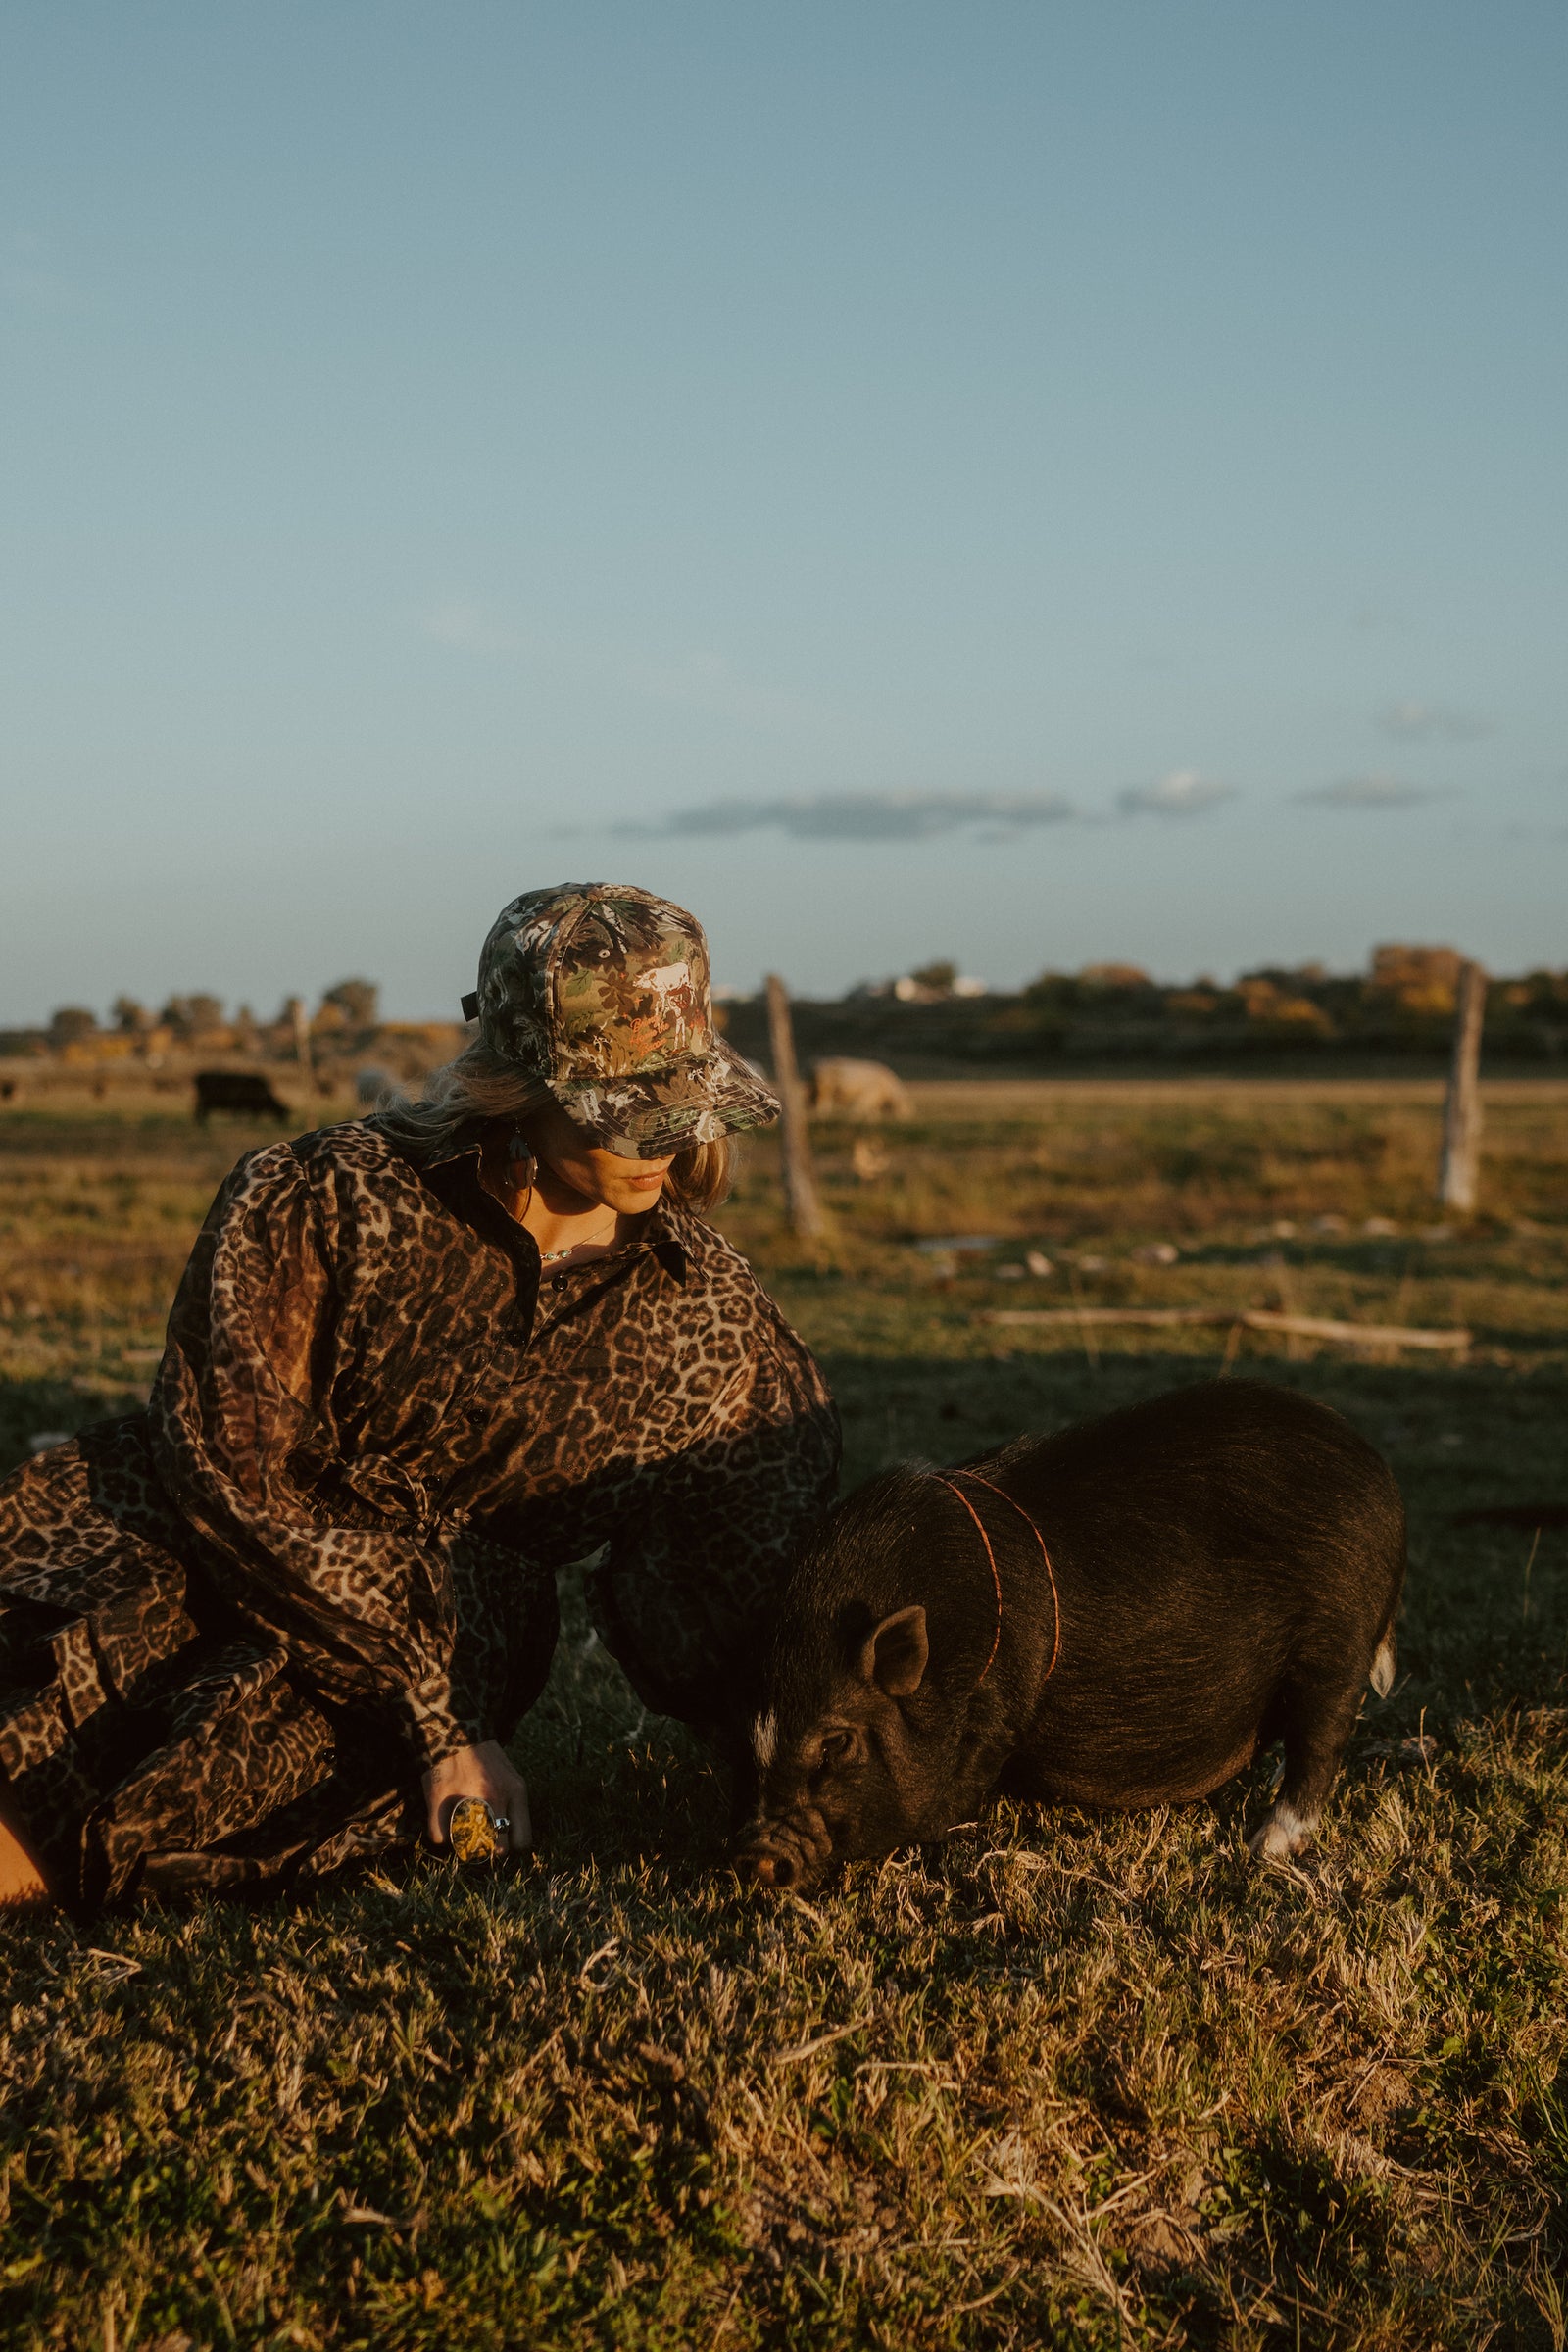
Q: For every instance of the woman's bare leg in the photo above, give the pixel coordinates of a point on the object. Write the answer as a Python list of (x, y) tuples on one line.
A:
[(20, 1883)]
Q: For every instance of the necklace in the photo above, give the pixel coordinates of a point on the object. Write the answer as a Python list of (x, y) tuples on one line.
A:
[(547, 1257), (552, 1258)]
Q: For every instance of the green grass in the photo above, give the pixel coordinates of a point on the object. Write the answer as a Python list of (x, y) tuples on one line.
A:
[(1066, 2080)]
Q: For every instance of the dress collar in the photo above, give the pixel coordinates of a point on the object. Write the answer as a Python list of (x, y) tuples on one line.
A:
[(664, 1229)]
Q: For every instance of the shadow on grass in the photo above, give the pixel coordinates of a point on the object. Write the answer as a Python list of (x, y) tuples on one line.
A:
[(1069, 2079), (1484, 1626)]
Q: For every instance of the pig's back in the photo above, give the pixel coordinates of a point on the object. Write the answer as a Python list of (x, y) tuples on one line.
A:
[(1209, 1548)]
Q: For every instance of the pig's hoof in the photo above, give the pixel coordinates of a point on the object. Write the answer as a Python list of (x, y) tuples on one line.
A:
[(1281, 1837)]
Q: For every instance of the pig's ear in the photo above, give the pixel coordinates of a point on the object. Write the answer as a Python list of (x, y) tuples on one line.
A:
[(893, 1657)]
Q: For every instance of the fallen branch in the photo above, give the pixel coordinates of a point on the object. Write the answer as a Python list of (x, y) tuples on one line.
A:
[(1153, 1316), (1251, 1318), (1356, 1335)]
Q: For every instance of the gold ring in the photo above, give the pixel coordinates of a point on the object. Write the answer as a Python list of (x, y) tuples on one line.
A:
[(476, 1832)]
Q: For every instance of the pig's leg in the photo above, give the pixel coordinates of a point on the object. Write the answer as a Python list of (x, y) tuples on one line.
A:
[(1314, 1723)]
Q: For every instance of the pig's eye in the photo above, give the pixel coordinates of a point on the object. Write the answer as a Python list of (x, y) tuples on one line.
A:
[(836, 1747)]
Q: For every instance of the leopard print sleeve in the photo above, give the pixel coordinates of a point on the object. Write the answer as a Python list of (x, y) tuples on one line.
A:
[(694, 1567), (359, 1589)]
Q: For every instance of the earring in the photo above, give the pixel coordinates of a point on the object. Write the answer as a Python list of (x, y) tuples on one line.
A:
[(521, 1163)]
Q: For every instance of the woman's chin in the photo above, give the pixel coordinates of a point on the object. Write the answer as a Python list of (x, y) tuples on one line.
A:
[(638, 1198)]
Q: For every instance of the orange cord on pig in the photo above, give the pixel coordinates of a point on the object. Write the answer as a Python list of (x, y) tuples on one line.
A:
[(991, 1557)]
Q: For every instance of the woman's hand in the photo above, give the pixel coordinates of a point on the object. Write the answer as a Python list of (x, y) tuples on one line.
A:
[(484, 1770)]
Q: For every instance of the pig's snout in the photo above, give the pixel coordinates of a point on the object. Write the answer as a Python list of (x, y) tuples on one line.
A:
[(776, 1851), (765, 1866)]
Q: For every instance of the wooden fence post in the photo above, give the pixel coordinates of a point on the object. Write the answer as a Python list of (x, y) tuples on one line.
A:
[(800, 1203), (1461, 1112), (302, 1031)]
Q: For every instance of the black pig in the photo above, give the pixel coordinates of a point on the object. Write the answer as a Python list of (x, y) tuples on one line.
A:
[(1120, 1615)]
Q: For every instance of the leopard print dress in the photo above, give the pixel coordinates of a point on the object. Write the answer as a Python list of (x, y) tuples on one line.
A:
[(235, 1628)]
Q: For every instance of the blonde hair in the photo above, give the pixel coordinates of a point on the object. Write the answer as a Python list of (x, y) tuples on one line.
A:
[(481, 1085)]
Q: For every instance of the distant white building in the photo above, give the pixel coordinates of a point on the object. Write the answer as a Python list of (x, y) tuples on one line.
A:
[(910, 991)]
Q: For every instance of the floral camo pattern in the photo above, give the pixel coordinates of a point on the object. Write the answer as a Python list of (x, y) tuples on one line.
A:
[(603, 991), (233, 1629)]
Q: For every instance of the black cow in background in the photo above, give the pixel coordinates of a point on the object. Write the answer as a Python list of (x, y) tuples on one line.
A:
[(244, 1090)]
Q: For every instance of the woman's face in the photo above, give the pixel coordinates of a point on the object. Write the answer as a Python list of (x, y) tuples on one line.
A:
[(567, 1154)]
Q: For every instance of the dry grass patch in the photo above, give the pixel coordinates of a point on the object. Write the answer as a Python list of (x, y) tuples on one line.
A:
[(1065, 2080)]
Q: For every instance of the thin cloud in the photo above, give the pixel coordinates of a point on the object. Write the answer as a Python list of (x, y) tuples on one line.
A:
[(705, 683), (1183, 793), (472, 627), (862, 815), (1366, 792), (1431, 722)]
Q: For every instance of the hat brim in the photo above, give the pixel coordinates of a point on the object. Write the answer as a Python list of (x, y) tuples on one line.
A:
[(696, 1100)]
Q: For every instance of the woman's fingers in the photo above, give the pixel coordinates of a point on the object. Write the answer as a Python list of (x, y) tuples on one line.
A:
[(508, 1795), (461, 1773), (485, 1771)]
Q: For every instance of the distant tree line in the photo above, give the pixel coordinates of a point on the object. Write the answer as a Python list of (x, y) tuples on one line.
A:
[(347, 1019), (1401, 1008)]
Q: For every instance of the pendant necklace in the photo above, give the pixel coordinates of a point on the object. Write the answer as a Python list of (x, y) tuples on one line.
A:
[(550, 1257)]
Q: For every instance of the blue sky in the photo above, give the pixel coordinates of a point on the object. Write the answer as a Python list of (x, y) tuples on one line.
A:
[(1032, 483)]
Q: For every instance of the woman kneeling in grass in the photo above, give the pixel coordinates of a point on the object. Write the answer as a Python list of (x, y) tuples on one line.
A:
[(288, 1615)]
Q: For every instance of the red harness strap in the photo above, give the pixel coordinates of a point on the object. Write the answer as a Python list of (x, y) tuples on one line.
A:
[(991, 1560)]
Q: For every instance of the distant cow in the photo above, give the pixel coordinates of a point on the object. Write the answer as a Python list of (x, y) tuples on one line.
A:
[(858, 1090), (244, 1090)]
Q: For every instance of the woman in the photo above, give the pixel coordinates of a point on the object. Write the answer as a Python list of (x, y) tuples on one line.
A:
[(289, 1614)]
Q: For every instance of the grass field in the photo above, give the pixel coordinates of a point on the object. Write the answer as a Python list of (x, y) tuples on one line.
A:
[(1069, 2079)]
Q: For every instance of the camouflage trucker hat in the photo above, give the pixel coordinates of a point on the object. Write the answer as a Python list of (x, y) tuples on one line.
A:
[(601, 991)]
